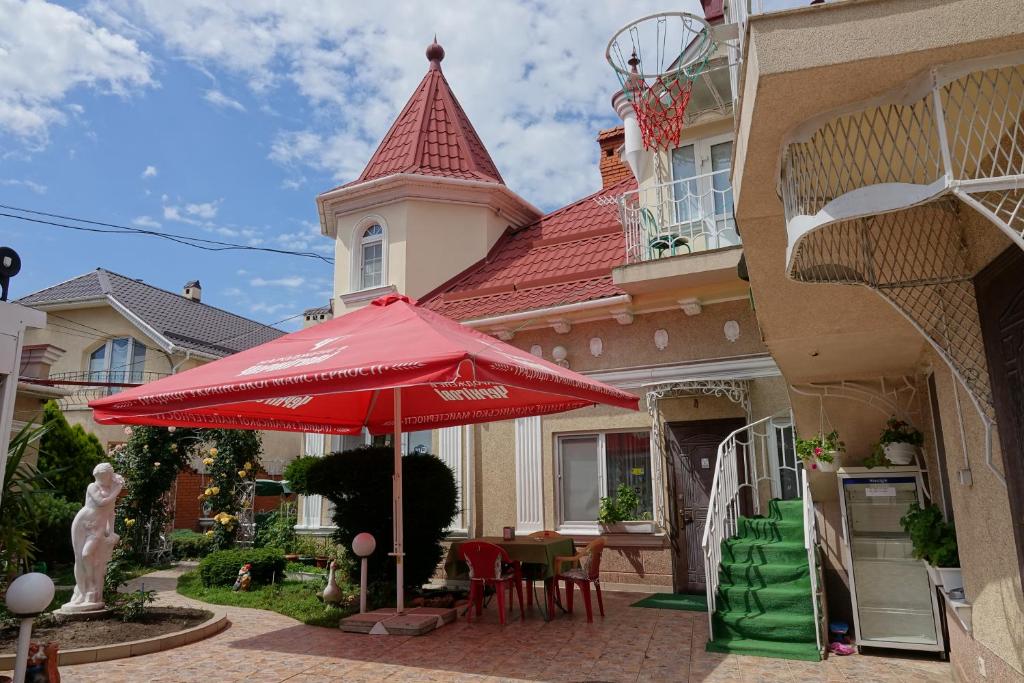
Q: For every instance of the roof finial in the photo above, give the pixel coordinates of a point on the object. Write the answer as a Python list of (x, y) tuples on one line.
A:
[(435, 53)]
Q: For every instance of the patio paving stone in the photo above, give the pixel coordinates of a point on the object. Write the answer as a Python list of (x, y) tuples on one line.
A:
[(629, 645)]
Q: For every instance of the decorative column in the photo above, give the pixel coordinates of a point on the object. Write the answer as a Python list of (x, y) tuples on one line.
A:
[(449, 442), (312, 505), (529, 475)]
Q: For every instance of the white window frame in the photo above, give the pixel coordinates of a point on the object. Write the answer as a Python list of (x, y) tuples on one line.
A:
[(108, 356), (358, 242), (702, 163), (587, 527)]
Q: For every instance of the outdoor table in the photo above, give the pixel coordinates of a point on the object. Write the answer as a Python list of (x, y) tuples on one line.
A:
[(538, 553)]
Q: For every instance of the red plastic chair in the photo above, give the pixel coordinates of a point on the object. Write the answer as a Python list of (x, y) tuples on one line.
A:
[(587, 571), (487, 567)]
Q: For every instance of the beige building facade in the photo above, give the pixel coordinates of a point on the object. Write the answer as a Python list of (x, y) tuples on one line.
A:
[(674, 326), (877, 159)]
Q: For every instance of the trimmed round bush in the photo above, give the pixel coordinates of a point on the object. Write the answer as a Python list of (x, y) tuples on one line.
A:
[(358, 483), (188, 545), (220, 568), (296, 473)]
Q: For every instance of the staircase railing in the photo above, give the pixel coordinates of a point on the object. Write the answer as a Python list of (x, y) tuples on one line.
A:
[(811, 544), (754, 462)]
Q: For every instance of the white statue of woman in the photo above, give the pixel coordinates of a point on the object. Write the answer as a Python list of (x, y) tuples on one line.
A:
[(93, 539)]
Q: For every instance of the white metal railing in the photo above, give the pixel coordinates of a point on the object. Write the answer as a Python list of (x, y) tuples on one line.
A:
[(811, 544), (681, 217), (754, 462)]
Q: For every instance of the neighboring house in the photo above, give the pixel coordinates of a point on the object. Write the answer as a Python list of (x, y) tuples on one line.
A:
[(876, 181), (431, 217), (105, 330)]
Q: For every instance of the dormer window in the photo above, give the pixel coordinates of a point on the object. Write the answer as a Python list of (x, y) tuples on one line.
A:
[(371, 257)]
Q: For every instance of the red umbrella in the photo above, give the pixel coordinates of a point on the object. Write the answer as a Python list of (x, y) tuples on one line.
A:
[(386, 367)]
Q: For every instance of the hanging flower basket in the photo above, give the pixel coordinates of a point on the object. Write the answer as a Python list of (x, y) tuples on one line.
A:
[(823, 453)]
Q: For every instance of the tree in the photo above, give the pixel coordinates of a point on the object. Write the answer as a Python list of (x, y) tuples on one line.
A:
[(23, 484), (358, 483), (68, 455)]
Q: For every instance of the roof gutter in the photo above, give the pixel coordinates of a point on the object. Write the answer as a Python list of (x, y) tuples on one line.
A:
[(619, 300)]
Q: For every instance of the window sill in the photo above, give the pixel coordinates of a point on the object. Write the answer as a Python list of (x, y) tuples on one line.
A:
[(363, 295), (584, 533)]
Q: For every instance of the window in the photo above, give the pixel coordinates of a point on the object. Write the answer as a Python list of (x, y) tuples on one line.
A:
[(702, 193), (119, 360), (592, 466), (371, 257)]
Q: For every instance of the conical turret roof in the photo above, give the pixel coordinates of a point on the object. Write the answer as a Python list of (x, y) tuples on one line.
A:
[(432, 135)]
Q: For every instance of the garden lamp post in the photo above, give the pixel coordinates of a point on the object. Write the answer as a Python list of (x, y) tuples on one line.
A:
[(27, 596), (363, 545)]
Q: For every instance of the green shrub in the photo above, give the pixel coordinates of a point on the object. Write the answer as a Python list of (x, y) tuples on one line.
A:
[(220, 568), (67, 454), (358, 483), (52, 538), (297, 474), (187, 544), (933, 537), (277, 529)]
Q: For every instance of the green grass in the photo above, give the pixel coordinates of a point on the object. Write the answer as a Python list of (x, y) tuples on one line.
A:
[(295, 599)]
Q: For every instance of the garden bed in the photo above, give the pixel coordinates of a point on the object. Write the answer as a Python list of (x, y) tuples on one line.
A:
[(156, 621), (295, 599)]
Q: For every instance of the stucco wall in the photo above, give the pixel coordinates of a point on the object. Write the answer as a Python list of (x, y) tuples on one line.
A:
[(427, 242), (690, 338)]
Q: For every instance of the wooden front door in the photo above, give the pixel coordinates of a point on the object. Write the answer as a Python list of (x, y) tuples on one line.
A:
[(1000, 292), (691, 449)]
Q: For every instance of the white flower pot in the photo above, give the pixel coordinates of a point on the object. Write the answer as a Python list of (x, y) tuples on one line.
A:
[(950, 578), (900, 453), (831, 466), (628, 527)]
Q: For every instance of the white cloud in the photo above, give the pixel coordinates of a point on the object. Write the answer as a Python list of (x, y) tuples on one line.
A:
[(205, 210), (219, 99), (307, 239), (288, 281), (47, 52), (269, 309), (149, 172), (145, 222), (232, 291), (38, 188), (537, 94)]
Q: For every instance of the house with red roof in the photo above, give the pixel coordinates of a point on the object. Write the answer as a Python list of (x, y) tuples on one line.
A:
[(666, 316)]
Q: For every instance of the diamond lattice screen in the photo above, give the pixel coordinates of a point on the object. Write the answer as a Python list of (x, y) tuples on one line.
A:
[(915, 259)]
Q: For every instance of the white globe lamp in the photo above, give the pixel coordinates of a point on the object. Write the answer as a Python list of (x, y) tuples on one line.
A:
[(27, 596), (363, 545)]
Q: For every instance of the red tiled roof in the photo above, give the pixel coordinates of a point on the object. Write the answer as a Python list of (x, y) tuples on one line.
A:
[(432, 136), (565, 257)]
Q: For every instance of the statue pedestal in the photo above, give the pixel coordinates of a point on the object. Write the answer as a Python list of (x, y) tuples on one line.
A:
[(86, 612)]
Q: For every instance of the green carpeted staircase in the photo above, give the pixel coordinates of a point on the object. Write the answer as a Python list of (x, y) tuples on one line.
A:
[(764, 598)]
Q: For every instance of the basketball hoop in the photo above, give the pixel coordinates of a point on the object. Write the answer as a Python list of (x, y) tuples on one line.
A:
[(657, 58)]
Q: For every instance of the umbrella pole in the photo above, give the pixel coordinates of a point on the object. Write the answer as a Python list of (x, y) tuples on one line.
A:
[(396, 490)]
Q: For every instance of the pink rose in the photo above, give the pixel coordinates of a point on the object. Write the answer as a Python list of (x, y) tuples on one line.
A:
[(818, 450)]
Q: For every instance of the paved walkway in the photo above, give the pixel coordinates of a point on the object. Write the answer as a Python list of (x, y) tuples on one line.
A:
[(630, 644)]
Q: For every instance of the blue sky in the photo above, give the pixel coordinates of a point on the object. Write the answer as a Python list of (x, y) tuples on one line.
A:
[(225, 119)]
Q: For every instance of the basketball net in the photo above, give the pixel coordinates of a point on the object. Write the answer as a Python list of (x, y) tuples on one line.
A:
[(660, 99), (660, 107)]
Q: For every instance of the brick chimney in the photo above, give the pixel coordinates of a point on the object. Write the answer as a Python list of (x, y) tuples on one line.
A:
[(193, 290), (612, 168)]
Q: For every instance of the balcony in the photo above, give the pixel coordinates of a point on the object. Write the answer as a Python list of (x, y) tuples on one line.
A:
[(682, 217), (681, 239)]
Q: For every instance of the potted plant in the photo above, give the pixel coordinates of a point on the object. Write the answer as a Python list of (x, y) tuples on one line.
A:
[(823, 452), (900, 441), (934, 542), (621, 513)]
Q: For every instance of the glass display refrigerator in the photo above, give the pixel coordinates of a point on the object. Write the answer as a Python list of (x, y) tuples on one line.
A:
[(894, 603)]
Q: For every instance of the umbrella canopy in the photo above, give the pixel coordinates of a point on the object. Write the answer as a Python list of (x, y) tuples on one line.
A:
[(386, 367), (337, 377)]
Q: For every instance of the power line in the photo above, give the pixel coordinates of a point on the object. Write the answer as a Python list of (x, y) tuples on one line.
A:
[(116, 229)]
